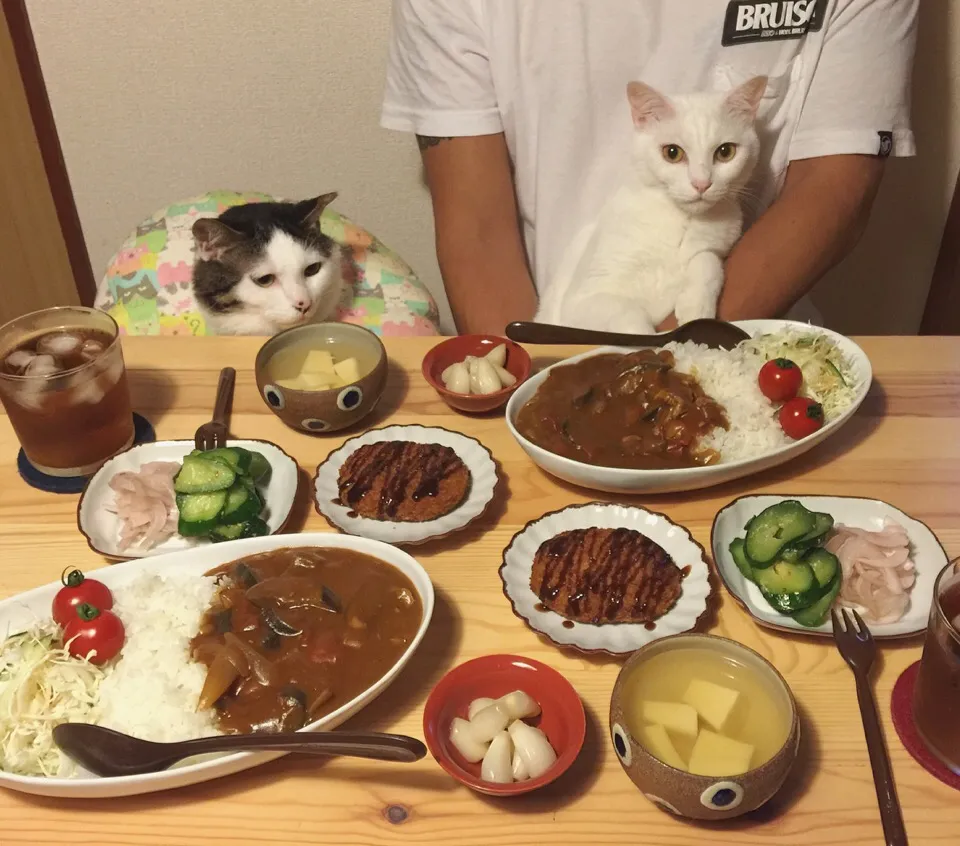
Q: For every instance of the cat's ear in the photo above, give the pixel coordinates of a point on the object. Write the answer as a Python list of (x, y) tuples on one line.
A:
[(647, 104), (213, 238), (745, 99), (310, 210)]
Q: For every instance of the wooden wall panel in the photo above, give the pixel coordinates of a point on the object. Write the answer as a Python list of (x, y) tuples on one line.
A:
[(35, 263)]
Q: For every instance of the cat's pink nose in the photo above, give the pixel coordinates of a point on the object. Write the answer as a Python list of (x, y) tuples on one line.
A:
[(701, 185), (301, 305)]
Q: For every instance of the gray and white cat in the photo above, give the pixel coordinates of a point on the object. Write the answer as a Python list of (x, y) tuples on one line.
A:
[(264, 267), (658, 245)]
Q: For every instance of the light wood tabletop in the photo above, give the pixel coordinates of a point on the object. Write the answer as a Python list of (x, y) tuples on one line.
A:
[(903, 447)]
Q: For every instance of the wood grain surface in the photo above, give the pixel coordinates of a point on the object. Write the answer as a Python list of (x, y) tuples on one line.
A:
[(903, 447)]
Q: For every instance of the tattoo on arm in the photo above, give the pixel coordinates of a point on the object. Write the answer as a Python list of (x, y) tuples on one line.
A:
[(424, 142)]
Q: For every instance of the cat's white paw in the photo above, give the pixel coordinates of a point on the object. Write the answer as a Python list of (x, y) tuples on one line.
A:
[(694, 306)]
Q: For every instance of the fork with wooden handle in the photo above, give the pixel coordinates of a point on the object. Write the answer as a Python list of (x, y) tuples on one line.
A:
[(213, 435), (859, 649)]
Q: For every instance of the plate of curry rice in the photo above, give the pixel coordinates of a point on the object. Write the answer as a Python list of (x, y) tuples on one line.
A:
[(605, 578), (269, 634), (683, 416), (406, 484)]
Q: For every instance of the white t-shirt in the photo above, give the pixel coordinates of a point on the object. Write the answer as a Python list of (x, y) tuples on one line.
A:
[(552, 74)]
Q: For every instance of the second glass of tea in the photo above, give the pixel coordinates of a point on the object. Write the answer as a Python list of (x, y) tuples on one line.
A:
[(936, 697), (64, 387)]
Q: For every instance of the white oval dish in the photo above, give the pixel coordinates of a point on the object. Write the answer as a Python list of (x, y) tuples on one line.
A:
[(610, 638), (928, 557), (483, 486), (625, 480), (21, 611), (102, 528)]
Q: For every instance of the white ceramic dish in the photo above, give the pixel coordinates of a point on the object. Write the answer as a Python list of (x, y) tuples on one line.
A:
[(19, 612), (102, 528), (616, 638), (621, 480), (483, 485), (927, 554)]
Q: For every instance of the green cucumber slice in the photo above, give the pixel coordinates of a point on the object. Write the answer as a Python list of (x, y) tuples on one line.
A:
[(775, 527)]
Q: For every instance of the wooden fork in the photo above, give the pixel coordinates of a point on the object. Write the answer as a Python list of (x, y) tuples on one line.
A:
[(859, 649), (213, 435)]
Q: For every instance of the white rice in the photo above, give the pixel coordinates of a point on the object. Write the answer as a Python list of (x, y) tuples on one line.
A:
[(152, 690), (730, 378)]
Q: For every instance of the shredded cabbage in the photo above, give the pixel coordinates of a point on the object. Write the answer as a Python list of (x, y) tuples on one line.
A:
[(827, 376), (41, 686)]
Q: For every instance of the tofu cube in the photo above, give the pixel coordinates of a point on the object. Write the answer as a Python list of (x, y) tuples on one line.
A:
[(348, 370), (658, 743), (712, 702), (316, 381), (318, 361), (674, 716), (717, 755), (290, 384)]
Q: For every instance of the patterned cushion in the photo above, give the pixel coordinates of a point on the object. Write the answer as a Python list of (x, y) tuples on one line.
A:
[(147, 286)]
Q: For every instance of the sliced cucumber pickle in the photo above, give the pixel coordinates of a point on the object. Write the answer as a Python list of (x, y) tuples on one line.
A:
[(775, 527), (816, 614), (825, 566), (744, 565)]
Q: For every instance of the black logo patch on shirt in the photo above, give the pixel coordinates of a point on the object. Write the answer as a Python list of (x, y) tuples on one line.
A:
[(747, 21), (886, 144)]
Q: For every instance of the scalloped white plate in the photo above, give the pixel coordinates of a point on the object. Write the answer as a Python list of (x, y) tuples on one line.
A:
[(102, 528), (483, 485), (19, 612), (612, 638), (926, 551)]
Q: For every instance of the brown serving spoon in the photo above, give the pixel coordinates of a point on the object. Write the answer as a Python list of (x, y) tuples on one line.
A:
[(111, 753), (213, 435), (717, 334)]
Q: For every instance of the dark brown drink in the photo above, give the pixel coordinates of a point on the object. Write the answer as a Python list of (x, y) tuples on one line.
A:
[(936, 698), (64, 387)]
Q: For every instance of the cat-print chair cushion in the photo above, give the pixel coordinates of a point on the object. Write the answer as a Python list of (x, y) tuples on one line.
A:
[(147, 286)]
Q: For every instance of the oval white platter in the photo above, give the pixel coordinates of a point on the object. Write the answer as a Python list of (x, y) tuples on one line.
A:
[(926, 552), (623, 480), (19, 612), (609, 638), (483, 486), (101, 527)]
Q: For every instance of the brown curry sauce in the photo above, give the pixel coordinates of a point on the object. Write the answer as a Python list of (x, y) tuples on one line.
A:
[(295, 633), (623, 410)]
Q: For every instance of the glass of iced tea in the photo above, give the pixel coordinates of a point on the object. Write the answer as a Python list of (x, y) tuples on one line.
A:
[(936, 697), (64, 387)]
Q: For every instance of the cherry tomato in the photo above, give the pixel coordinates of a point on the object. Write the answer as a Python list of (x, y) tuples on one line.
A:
[(93, 634), (801, 417), (780, 379), (77, 589)]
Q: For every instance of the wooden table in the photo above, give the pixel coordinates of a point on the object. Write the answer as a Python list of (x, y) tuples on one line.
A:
[(903, 447)]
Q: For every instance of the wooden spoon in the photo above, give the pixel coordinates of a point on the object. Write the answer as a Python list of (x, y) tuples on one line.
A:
[(111, 753), (717, 334)]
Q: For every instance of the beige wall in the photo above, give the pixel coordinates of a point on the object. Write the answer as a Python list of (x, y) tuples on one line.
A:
[(159, 99)]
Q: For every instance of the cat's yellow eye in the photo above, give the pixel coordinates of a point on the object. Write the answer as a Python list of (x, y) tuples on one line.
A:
[(725, 152), (312, 269), (265, 280), (673, 153)]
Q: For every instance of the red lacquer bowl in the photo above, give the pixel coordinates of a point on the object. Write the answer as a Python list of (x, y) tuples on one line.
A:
[(457, 349), (562, 720)]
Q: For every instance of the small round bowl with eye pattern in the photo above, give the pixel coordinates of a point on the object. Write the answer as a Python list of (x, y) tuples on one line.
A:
[(722, 716), (280, 365)]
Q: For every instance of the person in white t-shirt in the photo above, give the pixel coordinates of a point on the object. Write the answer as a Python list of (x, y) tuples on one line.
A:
[(520, 114)]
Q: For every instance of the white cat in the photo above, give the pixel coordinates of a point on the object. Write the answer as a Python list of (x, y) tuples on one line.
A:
[(264, 267), (658, 244)]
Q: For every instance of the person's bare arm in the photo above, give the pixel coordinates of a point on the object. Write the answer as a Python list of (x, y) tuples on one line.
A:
[(479, 244), (819, 216)]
